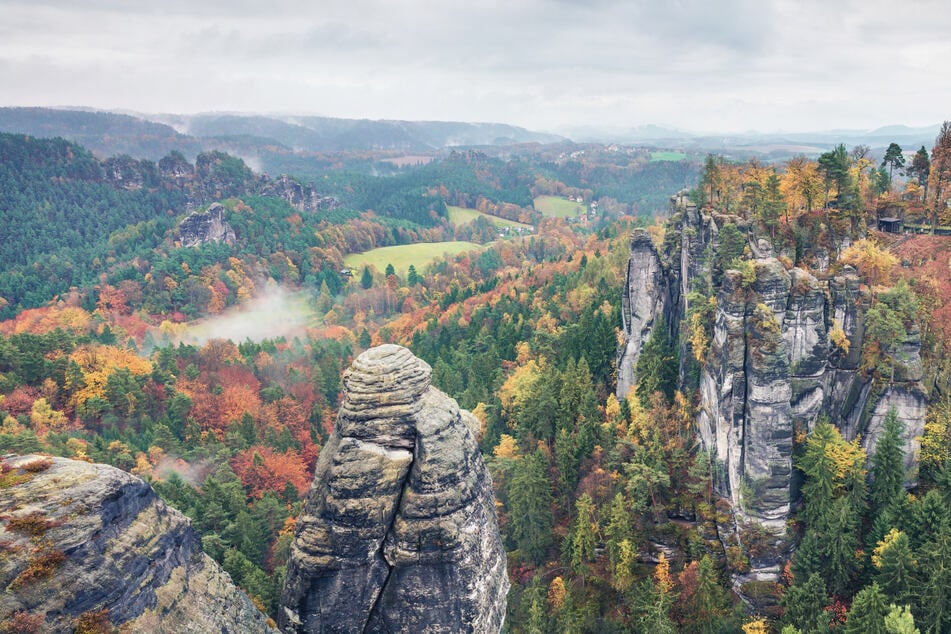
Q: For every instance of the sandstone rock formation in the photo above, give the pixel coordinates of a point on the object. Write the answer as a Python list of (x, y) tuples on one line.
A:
[(304, 198), (399, 532), (77, 538), (771, 370), (643, 303), (200, 228)]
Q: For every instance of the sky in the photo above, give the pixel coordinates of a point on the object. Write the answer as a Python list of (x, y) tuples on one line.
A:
[(705, 65)]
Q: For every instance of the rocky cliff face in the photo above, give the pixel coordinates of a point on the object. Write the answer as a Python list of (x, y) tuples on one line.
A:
[(643, 305), (200, 228), (77, 538), (399, 532), (771, 369), (301, 197)]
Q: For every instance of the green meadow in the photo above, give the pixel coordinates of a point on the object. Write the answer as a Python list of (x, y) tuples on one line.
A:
[(558, 207), (462, 215), (401, 256), (668, 156)]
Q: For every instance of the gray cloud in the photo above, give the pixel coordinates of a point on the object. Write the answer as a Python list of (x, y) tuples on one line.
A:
[(728, 65)]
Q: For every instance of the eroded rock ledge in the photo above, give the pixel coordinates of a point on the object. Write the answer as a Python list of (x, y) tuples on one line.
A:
[(79, 538), (399, 532)]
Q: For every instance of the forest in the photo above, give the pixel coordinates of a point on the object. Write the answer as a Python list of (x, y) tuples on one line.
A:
[(607, 504)]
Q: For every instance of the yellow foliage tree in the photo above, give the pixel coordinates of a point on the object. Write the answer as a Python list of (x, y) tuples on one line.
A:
[(46, 419), (557, 593), (665, 583), (873, 262), (756, 626), (838, 338), (518, 385), (507, 447), (98, 363)]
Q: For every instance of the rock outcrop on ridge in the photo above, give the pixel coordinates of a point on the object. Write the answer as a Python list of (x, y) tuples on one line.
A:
[(399, 532), (81, 540), (200, 228)]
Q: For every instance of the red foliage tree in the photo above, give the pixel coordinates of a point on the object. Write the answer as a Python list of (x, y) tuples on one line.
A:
[(263, 469)]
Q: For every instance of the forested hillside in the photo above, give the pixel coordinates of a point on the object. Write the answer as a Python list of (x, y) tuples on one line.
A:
[(612, 510)]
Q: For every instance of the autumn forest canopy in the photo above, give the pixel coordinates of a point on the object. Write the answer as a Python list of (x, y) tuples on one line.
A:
[(607, 503)]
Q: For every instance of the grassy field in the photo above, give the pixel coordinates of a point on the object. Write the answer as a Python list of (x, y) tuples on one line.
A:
[(558, 207), (462, 215), (668, 156), (419, 255)]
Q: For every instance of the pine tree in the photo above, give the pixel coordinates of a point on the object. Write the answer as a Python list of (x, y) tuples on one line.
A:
[(893, 158), (366, 279)]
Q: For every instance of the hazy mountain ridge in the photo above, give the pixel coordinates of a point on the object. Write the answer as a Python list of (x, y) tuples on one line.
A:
[(153, 135)]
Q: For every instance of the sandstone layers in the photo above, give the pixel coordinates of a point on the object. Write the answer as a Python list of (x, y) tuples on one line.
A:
[(109, 543), (771, 370), (399, 532)]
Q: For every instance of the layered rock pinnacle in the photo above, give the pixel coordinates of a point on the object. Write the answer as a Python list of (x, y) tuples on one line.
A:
[(399, 532)]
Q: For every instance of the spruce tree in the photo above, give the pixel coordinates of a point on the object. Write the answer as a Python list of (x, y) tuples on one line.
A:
[(657, 365), (529, 502), (895, 565), (867, 615), (934, 607), (888, 466), (804, 605)]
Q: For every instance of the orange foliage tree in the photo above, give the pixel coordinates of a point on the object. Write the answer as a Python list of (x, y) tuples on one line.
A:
[(262, 469)]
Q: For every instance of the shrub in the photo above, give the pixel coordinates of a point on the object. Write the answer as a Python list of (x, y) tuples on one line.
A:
[(42, 566), (23, 623), (33, 524), (37, 464), (93, 622)]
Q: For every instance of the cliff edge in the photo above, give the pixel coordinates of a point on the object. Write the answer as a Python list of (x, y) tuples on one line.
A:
[(85, 543)]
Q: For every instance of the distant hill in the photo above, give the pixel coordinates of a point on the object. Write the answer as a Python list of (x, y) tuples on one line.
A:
[(153, 136), (105, 133), (326, 134), (769, 145)]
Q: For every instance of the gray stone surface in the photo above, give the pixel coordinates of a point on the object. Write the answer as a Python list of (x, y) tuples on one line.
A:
[(399, 532), (125, 552), (200, 228), (645, 298)]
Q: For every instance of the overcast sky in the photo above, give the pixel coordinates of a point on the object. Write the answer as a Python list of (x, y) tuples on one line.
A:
[(732, 65)]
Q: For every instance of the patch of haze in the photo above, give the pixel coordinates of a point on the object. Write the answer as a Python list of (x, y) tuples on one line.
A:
[(253, 162), (274, 313), (194, 473)]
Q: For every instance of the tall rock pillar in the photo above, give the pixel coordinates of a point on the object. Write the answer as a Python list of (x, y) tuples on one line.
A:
[(399, 532)]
